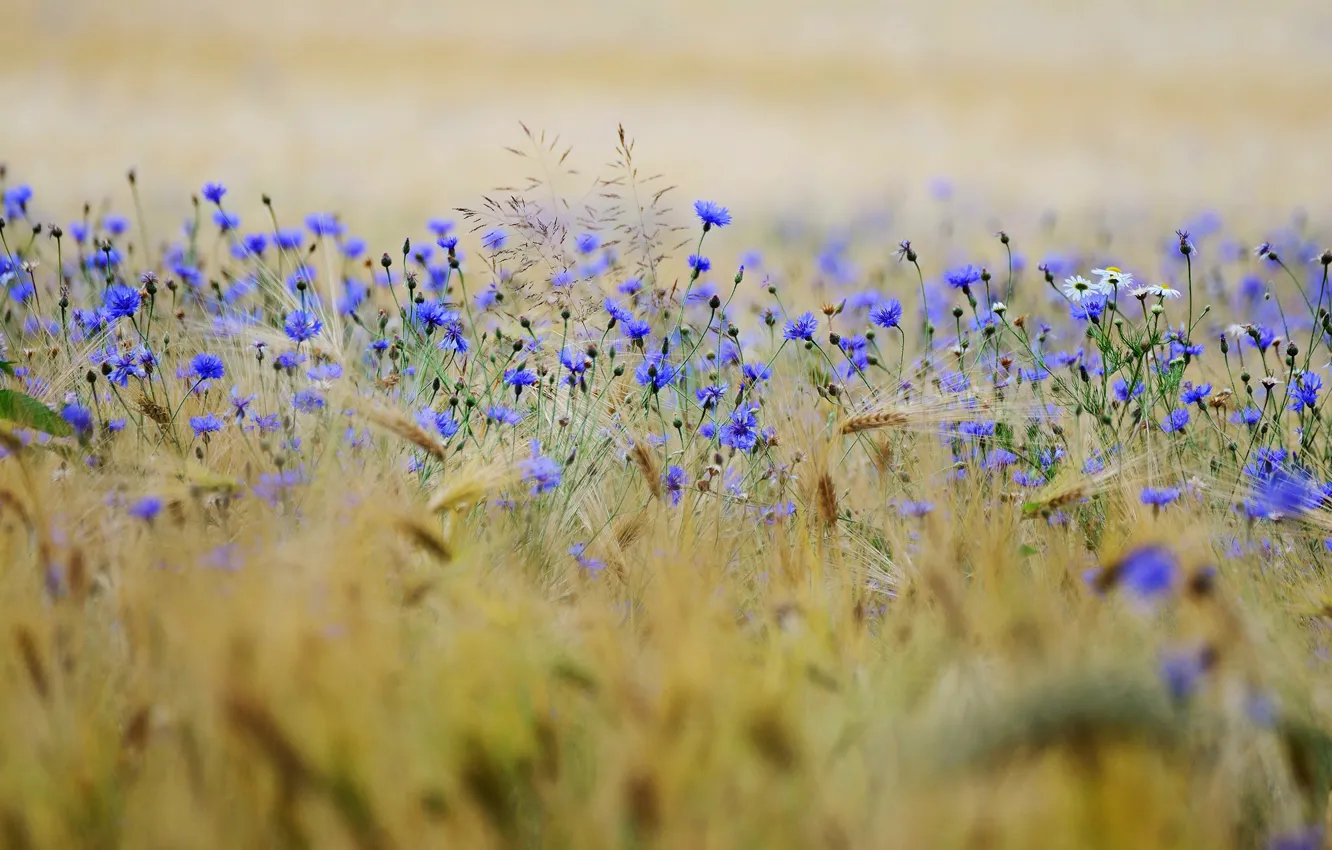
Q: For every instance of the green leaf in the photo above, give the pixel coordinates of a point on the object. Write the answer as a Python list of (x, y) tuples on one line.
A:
[(7, 367), (26, 411), (1026, 550)]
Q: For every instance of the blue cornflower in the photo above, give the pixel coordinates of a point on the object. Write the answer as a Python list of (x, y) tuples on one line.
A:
[(225, 221), (1159, 497), (998, 458), (441, 420), (502, 415), (1182, 671), (711, 214), (1148, 571), (655, 372), (801, 327), (739, 431), (126, 365), (289, 239), (206, 424), (289, 360), (1194, 395), (1123, 393), (1304, 391), (1249, 416), (756, 372), (562, 279), (586, 243), (519, 377), (323, 224), (1089, 308), (540, 471), (240, 404), (699, 264), (887, 314), (207, 367), (592, 565), (1306, 838), (353, 247), (963, 277), (116, 225), (451, 334), (617, 312), (1176, 421), (307, 401), (673, 481), (213, 192), (1284, 493), (121, 302), (146, 508), (710, 395), (254, 243), (439, 226), (78, 417), (302, 325), (494, 240), (631, 286), (1027, 478), (915, 509), (637, 329)]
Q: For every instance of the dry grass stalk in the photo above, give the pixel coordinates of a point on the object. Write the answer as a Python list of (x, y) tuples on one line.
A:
[(400, 425)]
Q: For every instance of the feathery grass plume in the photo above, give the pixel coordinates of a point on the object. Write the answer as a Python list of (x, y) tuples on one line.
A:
[(425, 537), (33, 664), (646, 461), (400, 425), (471, 483)]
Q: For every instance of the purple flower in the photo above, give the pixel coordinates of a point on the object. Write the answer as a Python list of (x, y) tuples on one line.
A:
[(963, 277), (206, 424), (1304, 391), (1182, 671), (1159, 497), (1284, 493), (121, 302), (674, 480), (887, 314), (801, 327), (213, 192), (655, 372), (1194, 395), (207, 367), (494, 240), (739, 431), (146, 508), (307, 401), (78, 417), (699, 264), (323, 224), (586, 243), (302, 325), (540, 471), (1176, 421), (711, 214)]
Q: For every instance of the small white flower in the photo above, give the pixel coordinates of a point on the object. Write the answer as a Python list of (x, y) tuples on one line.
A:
[(1113, 276), (1239, 331), (999, 308), (1079, 289), (1165, 292)]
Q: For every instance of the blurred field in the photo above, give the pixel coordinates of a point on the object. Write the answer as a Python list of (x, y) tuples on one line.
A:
[(405, 105)]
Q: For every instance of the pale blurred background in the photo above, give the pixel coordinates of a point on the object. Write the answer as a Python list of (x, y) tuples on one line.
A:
[(399, 109)]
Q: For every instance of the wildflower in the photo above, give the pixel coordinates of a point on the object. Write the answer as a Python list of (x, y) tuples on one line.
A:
[(562, 279), (1112, 277), (1304, 391), (586, 243), (146, 508), (915, 509), (540, 471), (637, 329), (590, 564), (240, 404), (439, 226), (699, 264), (254, 243), (801, 327), (206, 424), (738, 431), (1182, 670), (631, 286), (711, 395), (302, 325), (1194, 395), (617, 312), (887, 314), (288, 240), (494, 240), (1249, 416), (207, 367), (323, 224), (755, 373), (711, 214), (673, 481), (79, 418), (1079, 289), (307, 401), (655, 372), (963, 277), (1159, 497), (1123, 393), (519, 378), (213, 192), (1148, 572), (1284, 493), (1306, 838), (502, 415), (225, 221), (121, 302), (1176, 421), (1186, 246)]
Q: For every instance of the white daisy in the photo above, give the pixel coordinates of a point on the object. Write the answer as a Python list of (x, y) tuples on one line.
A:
[(1079, 289), (1112, 276), (1165, 292)]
